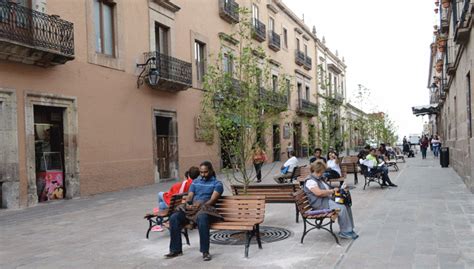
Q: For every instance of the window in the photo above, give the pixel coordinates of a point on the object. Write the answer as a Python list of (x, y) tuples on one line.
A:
[(255, 14), (271, 24), (298, 44), (161, 38), (104, 27), (285, 37), (275, 83), (305, 50), (288, 90), (469, 99), (299, 90), (200, 58), (307, 93), (228, 63)]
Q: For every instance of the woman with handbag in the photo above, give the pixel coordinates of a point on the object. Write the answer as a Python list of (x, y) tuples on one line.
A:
[(320, 196), (259, 157)]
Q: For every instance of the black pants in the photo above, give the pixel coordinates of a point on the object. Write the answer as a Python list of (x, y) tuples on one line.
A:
[(177, 220), (258, 170)]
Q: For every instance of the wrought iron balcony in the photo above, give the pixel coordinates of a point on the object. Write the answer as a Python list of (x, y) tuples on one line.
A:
[(308, 63), (274, 41), (229, 11), (258, 30), (299, 57), (174, 74), (275, 100), (463, 28), (308, 108), (32, 37)]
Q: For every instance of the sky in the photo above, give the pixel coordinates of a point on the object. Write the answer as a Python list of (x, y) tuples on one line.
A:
[(386, 47)]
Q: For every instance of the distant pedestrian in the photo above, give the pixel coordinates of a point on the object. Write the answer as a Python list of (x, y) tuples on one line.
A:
[(436, 143), (424, 146), (259, 157)]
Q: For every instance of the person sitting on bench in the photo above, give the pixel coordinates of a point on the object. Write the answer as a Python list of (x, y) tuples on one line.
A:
[(203, 194), (164, 198), (287, 169), (333, 170), (317, 156), (379, 167), (320, 197)]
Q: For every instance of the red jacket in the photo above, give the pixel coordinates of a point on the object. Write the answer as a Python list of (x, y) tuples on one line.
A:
[(175, 189)]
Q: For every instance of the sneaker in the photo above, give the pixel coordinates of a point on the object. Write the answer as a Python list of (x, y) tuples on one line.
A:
[(206, 256), (393, 185), (173, 254), (345, 235), (354, 235), (157, 228)]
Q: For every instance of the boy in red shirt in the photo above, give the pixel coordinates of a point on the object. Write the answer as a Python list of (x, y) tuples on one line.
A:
[(177, 188)]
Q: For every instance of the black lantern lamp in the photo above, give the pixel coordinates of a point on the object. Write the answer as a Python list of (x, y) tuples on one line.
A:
[(153, 74), (433, 88)]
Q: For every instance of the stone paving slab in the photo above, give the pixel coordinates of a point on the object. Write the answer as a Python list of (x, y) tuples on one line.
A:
[(427, 222)]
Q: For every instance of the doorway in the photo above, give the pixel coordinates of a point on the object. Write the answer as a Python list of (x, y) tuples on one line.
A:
[(276, 143), (166, 145), (297, 139), (49, 152)]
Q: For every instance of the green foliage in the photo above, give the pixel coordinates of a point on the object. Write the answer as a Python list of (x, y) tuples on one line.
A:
[(236, 105)]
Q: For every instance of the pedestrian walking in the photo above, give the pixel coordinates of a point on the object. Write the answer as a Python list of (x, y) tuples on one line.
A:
[(424, 146), (259, 157), (436, 144)]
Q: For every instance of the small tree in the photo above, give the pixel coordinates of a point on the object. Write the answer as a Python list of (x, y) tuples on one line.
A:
[(235, 103)]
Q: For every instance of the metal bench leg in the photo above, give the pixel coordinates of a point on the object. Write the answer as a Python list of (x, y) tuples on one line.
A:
[(332, 232), (186, 236), (149, 227), (247, 243), (356, 180), (297, 213), (304, 230), (259, 241)]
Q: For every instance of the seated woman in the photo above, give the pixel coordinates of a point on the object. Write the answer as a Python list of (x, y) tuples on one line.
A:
[(177, 188), (333, 170), (320, 197)]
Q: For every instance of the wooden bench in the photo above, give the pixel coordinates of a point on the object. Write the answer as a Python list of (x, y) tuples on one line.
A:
[(351, 165), (392, 164), (288, 178), (163, 215), (305, 171), (274, 193), (241, 213), (320, 221)]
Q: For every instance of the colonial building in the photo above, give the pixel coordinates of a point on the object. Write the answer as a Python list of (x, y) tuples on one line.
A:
[(450, 83), (102, 95)]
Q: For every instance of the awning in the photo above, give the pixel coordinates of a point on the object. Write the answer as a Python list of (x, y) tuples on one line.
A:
[(425, 110)]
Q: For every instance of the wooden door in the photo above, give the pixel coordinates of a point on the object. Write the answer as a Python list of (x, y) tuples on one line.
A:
[(163, 156)]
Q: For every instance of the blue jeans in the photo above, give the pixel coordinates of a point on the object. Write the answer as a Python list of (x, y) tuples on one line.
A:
[(176, 222), (436, 151), (161, 202)]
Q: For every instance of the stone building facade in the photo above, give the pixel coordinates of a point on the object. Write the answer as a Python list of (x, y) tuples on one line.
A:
[(450, 83), (107, 93)]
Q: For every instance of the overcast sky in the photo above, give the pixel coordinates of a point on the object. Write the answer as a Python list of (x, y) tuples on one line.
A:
[(386, 48)]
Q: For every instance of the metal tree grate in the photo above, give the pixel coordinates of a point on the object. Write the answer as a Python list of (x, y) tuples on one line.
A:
[(267, 234)]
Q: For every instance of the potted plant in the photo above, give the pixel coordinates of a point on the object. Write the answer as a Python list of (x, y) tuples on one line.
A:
[(437, 3), (445, 3), (436, 10), (442, 41)]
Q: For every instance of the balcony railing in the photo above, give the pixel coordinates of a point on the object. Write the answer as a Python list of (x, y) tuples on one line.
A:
[(274, 41), (274, 100), (33, 37), (299, 57), (308, 63), (174, 74), (461, 35), (259, 30), (308, 108), (229, 11)]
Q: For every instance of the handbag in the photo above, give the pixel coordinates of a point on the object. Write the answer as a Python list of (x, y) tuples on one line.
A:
[(343, 197)]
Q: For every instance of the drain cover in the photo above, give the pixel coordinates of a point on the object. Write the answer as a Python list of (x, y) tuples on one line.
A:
[(267, 235)]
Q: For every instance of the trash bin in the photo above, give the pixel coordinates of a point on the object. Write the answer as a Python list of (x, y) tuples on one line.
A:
[(444, 157)]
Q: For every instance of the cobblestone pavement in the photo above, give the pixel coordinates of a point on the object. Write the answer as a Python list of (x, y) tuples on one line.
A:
[(427, 222)]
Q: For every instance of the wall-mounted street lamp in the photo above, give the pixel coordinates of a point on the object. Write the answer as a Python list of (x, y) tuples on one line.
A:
[(153, 74), (433, 88)]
